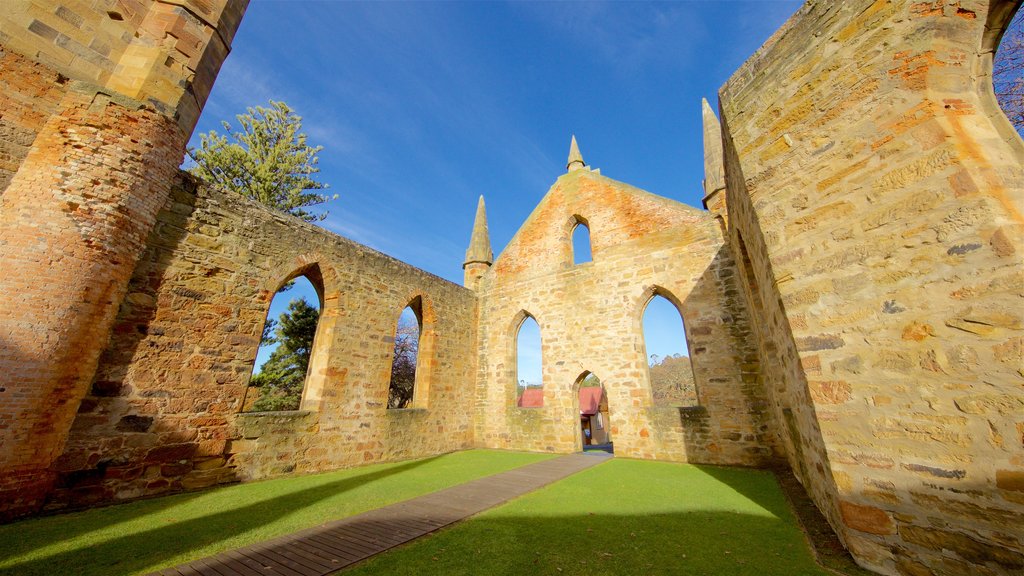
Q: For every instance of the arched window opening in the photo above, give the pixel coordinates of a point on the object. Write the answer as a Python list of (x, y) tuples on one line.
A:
[(668, 354), (286, 346), (529, 383), (402, 388), (1008, 72), (595, 429), (581, 242)]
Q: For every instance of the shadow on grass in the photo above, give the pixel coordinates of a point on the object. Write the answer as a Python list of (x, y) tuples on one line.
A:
[(712, 542), (155, 547), (25, 536), (739, 480)]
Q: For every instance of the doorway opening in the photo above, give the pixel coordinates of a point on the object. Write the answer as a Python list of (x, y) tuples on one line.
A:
[(594, 424)]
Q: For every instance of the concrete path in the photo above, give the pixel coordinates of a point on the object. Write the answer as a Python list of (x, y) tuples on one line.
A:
[(330, 547)]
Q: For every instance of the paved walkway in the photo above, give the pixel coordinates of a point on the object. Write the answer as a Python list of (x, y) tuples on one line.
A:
[(330, 547)]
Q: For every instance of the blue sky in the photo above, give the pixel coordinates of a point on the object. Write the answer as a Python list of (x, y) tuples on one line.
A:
[(421, 107)]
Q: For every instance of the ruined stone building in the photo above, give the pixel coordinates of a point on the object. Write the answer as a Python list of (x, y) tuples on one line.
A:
[(852, 289)]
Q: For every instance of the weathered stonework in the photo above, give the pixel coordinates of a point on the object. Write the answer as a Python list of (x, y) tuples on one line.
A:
[(590, 320), (163, 412), (852, 295), (877, 189), (86, 164)]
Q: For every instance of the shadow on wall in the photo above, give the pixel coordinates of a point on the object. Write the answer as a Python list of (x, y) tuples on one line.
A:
[(785, 382), (720, 366), (162, 543), (80, 476)]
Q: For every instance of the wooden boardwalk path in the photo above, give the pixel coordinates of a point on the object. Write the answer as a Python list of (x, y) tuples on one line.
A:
[(330, 547)]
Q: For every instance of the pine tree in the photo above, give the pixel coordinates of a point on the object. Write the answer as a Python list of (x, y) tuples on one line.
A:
[(268, 160), (283, 375)]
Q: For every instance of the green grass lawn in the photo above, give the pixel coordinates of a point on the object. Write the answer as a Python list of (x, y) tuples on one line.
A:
[(142, 536), (622, 517)]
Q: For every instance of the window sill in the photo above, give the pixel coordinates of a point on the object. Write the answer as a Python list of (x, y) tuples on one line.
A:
[(412, 410), (277, 413)]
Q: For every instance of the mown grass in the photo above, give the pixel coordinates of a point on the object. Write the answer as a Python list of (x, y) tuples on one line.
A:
[(623, 517), (143, 536)]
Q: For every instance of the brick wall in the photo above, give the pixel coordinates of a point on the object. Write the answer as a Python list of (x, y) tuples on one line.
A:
[(73, 219), (29, 94), (98, 102)]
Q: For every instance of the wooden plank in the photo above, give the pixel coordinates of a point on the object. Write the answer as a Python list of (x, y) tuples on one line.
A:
[(330, 559), (293, 559), (359, 535), (340, 546), (412, 525), (351, 540), (188, 570), (328, 563), (210, 567), (255, 564), (278, 564), (388, 529), (331, 548), (368, 530), (240, 568)]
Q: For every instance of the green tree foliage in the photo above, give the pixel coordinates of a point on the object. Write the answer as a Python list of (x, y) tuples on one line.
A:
[(283, 374), (267, 160), (403, 367), (1008, 72)]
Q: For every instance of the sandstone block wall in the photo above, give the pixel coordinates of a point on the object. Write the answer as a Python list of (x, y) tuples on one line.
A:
[(877, 192), (590, 320), (163, 411)]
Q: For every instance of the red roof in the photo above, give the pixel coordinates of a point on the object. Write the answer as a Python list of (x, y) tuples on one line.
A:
[(532, 398), (590, 400)]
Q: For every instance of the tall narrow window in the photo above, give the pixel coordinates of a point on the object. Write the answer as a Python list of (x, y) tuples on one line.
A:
[(403, 364), (668, 354), (529, 385), (279, 373), (581, 242)]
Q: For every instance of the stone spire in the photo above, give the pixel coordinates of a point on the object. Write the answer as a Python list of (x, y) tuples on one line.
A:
[(575, 158), (479, 256), (714, 169)]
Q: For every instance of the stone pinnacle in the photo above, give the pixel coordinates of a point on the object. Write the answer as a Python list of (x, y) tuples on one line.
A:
[(575, 158), (480, 242), (714, 170)]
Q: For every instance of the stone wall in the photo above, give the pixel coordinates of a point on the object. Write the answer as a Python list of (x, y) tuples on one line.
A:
[(98, 100), (590, 320), (163, 52), (875, 190), (29, 94), (163, 411)]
